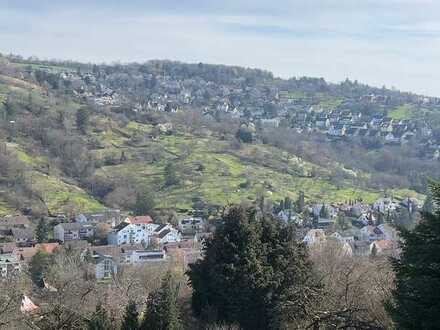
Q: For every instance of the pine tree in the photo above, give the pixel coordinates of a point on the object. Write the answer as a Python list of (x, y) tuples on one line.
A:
[(300, 203), (287, 203), (416, 298), (171, 178), (254, 273), (41, 232), (131, 317), (323, 213), (99, 319), (82, 119), (38, 267), (373, 251), (144, 203), (162, 310)]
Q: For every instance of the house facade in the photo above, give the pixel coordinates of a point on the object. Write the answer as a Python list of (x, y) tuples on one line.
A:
[(105, 267), (141, 256), (126, 233), (167, 234), (72, 231), (9, 264), (191, 225)]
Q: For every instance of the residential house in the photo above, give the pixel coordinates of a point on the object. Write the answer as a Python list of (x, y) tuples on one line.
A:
[(131, 233), (321, 121), (375, 122), (383, 247), (325, 223), (332, 211), (287, 215), (274, 122), (337, 130), (25, 254), (139, 220), (360, 248), (19, 221), (72, 231), (167, 234), (105, 267), (389, 232), (371, 233), (392, 138), (191, 225), (9, 264), (411, 204), (384, 205), (314, 236), (143, 256), (6, 248), (342, 238), (107, 216), (23, 235)]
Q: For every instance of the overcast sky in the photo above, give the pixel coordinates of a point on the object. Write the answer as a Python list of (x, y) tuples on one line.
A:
[(379, 42)]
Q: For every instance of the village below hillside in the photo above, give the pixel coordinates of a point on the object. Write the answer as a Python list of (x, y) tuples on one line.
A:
[(111, 240)]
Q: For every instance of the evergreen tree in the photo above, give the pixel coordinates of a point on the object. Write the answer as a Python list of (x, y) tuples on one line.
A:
[(287, 203), (131, 317), (10, 109), (373, 251), (428, 205), (300, 202), (416, 298), (82, 119), (99, 319), (145, 203), (254, 273), (323, 213), (162, 310), (171, 178), (41, 232), (38, 267)]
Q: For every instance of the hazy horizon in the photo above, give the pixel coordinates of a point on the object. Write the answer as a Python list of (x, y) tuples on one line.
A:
[(395, 44)]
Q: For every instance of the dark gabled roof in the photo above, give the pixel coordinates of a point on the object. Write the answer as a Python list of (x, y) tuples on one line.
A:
[(22, 233), (15, 221), (98, 257), (121, 226), (71, 226), (158, 229), (164, 233)]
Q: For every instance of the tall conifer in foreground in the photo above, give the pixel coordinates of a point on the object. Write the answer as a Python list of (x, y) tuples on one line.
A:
[(131, 317), (162, 312), (416, 298), (254, 273)]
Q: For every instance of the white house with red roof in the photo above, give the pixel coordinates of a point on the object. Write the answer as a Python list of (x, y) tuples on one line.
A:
[(139, 220)]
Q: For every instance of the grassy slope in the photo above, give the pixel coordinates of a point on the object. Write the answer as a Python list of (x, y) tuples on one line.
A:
[(208, 168), (58, 194), (265, 169)]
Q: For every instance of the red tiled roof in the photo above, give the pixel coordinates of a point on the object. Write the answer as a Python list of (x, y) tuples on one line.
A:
[(385, 244), (48, 247), (140, 219)]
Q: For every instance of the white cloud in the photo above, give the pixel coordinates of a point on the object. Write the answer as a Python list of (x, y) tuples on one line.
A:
[(397, 43)]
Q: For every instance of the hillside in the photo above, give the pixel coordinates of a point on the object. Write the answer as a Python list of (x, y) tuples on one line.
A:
[(186, 154)]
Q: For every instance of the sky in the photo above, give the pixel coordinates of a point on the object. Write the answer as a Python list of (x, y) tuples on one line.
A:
[(395, 43)]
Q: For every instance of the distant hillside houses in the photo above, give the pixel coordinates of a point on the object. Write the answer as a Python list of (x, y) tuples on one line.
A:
[(361, 229)]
